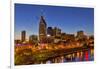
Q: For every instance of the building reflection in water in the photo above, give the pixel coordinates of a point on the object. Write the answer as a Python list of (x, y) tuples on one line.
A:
[(74, 57)]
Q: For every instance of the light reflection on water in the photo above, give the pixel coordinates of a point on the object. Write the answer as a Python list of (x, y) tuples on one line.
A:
[(75, 57)]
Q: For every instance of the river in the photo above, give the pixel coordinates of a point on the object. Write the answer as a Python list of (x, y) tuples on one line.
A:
[(74, 57)]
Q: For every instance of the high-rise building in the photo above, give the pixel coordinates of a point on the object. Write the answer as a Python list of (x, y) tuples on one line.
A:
[(42, 30), (50, 31), (23, 36), (57, 31), (33, 39), (57, 35)]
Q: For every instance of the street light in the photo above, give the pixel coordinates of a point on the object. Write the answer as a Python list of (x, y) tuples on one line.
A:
[(48, 35)]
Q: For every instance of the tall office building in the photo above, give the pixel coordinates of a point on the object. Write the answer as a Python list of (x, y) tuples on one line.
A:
[(33, 39), (57, 31), (42, 29), (50, 31), (23, 36)]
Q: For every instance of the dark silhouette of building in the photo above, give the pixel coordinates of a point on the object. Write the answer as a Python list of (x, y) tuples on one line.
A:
[(23, 36), (17, 41), (42, 30), (80, 34), (33, 39), (57, 35), (50, 31), (57, 32)]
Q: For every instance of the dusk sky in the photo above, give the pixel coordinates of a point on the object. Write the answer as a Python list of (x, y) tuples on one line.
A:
[(68, 19)]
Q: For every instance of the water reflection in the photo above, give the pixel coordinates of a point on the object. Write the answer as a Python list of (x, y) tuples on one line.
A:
[(74, 57)]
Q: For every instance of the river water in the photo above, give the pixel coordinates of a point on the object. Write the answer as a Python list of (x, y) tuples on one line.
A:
[(74, 57)]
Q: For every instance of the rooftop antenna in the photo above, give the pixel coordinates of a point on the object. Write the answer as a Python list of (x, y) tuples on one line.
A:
[(41, 13)]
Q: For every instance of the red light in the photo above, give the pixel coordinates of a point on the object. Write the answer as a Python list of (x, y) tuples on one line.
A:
[(86, 55)]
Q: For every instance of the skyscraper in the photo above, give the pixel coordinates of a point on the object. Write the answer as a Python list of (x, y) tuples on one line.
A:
[(50, 31), (56, 31), (33, 39), (23, 36), (42, 29)]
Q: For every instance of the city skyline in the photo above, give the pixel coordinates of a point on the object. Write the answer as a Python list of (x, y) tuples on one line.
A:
[(68, 19)]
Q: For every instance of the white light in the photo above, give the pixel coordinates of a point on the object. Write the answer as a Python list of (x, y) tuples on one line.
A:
[(48, 35)]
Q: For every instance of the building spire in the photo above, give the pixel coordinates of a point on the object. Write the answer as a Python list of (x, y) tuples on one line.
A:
[(42, 14), (42, 28), (42, 19)]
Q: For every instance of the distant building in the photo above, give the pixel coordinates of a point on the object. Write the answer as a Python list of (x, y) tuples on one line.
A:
[(50, 31), (42, 30), (33, 39), (57, 31), (63, 36), (70, 37), (80, 34), (17, 42), (57, 34), (23, 36), (67, 37)]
